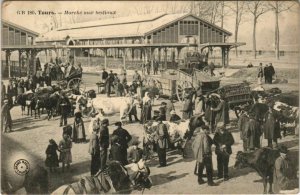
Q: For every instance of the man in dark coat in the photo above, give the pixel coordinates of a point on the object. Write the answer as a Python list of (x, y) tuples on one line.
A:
[(266, 73), (203, 155), (223, 140), (174, 117), (94, 150), (253, 133), (162, 111), (6, 121), (104, 75), (103, 142), (272, 73), (222, 112), (155, 115), (155, 67), (271, 127), (64, 108), (124, 138), (162, 138), (109, 82)]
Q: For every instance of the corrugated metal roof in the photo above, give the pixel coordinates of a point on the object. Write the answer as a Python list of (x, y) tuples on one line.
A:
[(117, 27)]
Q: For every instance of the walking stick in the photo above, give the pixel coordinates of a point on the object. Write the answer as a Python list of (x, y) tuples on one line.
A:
[(195, 170)]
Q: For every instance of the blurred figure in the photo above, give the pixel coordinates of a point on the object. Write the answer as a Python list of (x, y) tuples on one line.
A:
[(260, 74), (65, 146)]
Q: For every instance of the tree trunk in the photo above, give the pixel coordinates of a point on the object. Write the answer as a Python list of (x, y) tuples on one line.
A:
[(254, 37), (276, 33), (236, 30)]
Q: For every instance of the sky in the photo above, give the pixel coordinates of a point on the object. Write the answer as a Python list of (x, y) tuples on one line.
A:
[(41, 22)]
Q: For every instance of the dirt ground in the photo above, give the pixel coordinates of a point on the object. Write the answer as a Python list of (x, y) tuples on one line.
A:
[(32, 135)]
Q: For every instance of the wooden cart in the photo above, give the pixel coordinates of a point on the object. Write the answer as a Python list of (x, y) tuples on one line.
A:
[(179, 82)]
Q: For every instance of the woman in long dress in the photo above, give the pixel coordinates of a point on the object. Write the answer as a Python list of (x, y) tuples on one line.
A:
[(78, 128), (146, 108)]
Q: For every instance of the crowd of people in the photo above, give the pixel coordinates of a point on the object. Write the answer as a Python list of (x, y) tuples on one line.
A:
[(267, 72)]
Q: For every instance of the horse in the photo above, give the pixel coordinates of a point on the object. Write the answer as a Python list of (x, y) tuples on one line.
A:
[(114, 178)]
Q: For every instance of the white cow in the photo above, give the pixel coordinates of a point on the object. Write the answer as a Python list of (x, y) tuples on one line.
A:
[(107, 106)]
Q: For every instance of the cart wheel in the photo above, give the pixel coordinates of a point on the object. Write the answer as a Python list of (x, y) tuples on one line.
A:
[(74, 83), (181, 89)]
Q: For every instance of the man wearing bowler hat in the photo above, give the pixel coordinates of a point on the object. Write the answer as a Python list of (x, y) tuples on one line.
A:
[(103, 141), (124, 139)]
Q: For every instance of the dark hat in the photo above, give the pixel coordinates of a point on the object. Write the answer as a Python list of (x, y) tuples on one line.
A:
[(105, 121), (52, 141), (118, 123), (163, 103), (283, 149)]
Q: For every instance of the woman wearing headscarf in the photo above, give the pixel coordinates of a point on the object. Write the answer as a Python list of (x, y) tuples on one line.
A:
[(78, 128), (146, 108)]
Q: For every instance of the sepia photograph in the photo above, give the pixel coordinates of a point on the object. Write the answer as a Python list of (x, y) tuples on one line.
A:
[(150, 97)]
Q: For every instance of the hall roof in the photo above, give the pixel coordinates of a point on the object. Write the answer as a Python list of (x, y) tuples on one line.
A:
[(22, 28), (131, 26)]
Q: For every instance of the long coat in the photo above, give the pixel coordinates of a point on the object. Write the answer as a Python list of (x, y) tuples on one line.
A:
[(222, 114), (271, 126), (253, 134), (223, 139), (201, 146), (243, 125), (78, 128), (6, 120), (65, 148), (52, 157), (162, 136)]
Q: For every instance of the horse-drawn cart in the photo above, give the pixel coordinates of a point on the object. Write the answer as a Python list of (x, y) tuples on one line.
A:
[(72, 81), (182, 81)]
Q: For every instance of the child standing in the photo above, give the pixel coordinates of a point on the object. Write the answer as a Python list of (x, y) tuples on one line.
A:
[(65, 146), (52, 158)]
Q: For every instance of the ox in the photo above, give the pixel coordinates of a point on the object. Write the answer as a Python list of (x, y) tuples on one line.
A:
[(179, 132), (115, 178), (110, 106), (262, 161)]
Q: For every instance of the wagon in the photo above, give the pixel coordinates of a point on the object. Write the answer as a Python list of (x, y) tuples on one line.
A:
[(72, 81), (179, 82), (236, 95)]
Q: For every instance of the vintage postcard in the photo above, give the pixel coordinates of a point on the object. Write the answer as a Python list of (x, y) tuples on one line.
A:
[(154, 97)]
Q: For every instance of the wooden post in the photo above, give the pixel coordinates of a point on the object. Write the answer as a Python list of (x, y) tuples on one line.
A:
[(105, 58), (165, 58), (223, 56), (89, 57), (227, 57), (20, 61), (124, 58), (8, 61), (159, 54), (152, 58)]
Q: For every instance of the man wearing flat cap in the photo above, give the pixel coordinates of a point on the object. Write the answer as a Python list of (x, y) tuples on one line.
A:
[(103, 141), (174, 117), (124, 139), (271, 126), (282, 177), (162, 138)]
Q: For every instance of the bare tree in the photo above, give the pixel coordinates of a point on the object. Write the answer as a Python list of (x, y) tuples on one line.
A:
[(278, 7), (256, 9), (238, 8)]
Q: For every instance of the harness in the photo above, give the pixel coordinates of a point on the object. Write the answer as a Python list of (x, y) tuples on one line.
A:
[(92, 184)]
